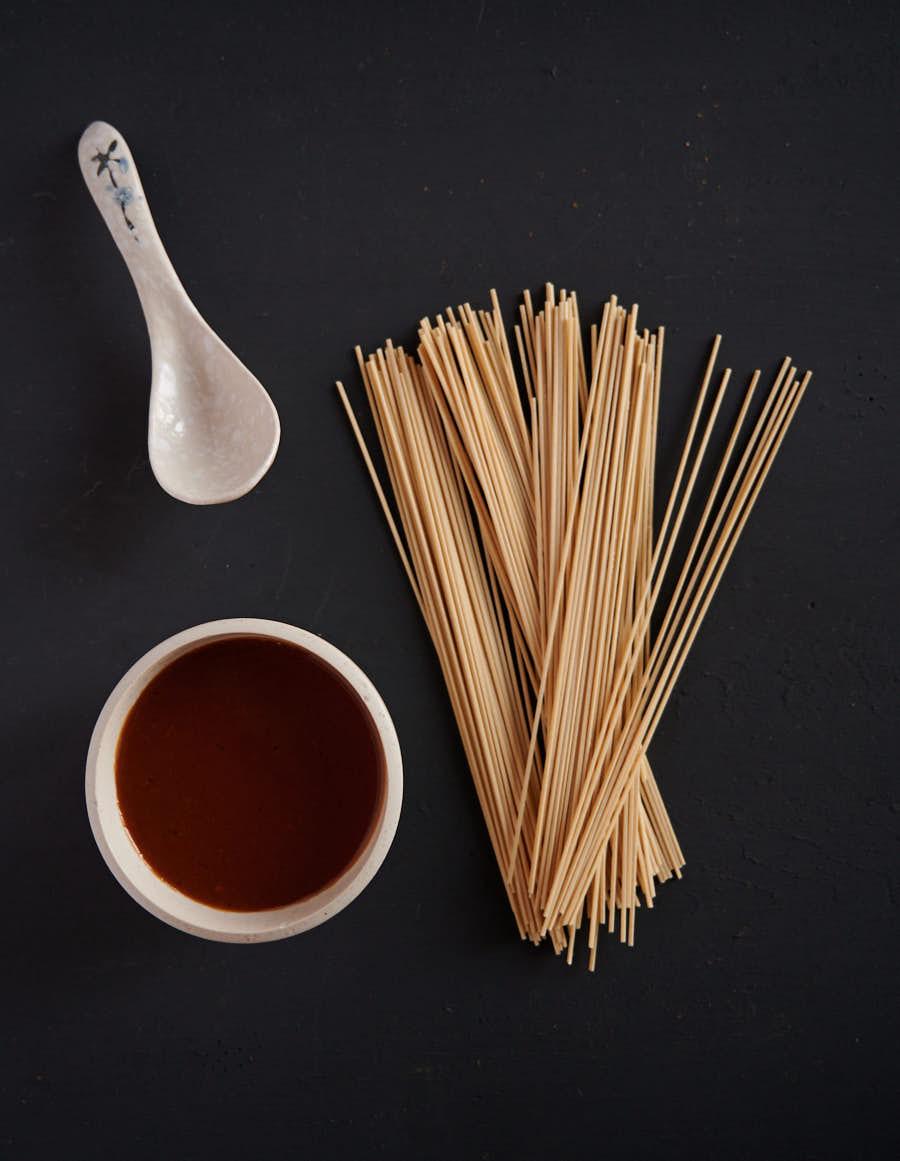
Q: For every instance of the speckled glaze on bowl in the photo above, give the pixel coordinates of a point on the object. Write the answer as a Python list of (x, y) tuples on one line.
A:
[(125, 860)]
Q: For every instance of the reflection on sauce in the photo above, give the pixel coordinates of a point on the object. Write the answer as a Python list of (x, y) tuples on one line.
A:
[(249, 774)]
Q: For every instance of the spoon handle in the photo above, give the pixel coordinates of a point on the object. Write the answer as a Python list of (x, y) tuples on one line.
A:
[(111, 175)]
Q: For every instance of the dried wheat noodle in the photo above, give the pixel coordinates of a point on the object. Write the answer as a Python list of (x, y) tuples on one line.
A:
[(525, 498)]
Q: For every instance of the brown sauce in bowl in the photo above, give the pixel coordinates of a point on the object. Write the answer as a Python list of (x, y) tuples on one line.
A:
[(249, 774)]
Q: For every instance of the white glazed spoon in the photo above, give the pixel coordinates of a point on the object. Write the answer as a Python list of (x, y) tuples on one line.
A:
[(213, 429)]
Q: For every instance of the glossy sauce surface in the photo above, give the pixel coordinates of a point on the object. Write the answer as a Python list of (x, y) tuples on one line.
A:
[(249, 774)]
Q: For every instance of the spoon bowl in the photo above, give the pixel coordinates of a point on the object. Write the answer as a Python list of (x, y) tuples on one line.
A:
[(213, 430)]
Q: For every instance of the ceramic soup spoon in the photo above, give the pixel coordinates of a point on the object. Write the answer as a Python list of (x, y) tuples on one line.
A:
[(213, 429)]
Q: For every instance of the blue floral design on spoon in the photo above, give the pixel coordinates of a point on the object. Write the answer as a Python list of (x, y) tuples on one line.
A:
[(122, 194)]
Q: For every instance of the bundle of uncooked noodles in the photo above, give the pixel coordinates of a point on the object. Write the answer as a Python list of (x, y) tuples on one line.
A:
[(524, 487)]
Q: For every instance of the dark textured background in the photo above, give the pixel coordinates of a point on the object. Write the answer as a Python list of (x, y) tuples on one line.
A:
[(324, 175)]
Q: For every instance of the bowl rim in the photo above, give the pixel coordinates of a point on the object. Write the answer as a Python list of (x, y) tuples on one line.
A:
[(125, 861)]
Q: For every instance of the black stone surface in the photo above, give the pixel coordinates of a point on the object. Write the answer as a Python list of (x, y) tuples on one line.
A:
[(325, 174)]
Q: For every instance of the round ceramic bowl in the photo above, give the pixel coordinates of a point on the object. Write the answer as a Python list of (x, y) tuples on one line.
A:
[(125, 860)]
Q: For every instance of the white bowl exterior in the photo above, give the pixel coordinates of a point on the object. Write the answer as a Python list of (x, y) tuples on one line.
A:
[(125, 860)]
